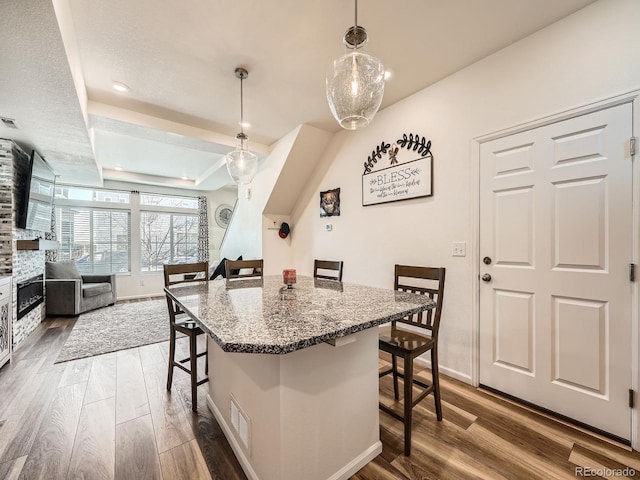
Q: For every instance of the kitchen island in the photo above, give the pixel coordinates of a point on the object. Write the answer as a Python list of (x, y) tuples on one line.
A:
[(294, 372)]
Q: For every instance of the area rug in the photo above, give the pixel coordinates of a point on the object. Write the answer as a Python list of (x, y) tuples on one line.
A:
[(121, 326)]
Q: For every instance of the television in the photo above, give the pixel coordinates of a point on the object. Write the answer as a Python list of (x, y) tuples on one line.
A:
[(36, 190)]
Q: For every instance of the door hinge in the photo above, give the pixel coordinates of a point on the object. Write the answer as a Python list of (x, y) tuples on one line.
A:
[(631, 397), (632, 272), (632, 146)]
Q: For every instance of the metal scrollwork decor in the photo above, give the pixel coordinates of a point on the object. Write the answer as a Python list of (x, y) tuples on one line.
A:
[(422, 146), (375, 155), (401, 180)]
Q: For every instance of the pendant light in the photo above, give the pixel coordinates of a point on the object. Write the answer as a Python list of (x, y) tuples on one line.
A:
[(355, 81), (241, 163)]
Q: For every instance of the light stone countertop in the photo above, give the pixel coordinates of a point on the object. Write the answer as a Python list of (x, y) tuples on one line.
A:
[(260, 316)]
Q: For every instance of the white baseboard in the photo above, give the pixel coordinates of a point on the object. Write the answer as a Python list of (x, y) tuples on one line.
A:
[(343, 474), (135, 297), (235, 446), (463, 377), (357, 463)]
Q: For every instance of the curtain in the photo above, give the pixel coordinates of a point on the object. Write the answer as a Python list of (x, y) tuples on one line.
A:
[(203, 230), (52, 255)]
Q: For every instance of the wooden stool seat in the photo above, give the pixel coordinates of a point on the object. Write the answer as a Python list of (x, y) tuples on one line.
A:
[(405, 340)]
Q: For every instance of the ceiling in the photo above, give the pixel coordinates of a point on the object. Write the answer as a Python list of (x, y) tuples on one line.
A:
[(59, 58)]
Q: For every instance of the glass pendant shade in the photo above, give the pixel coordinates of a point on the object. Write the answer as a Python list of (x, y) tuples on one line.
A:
[(241, 163), (355, 86)]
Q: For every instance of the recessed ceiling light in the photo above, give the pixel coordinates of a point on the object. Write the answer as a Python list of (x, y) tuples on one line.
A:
[(388, 74), (119, 169), (120, 87)]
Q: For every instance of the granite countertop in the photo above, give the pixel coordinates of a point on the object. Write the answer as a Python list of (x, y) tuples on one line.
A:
[(260, 316)]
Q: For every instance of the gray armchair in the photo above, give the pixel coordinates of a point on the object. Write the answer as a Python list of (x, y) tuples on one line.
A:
[(70, 293)]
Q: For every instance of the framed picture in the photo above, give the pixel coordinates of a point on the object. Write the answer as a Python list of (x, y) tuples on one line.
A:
[(330, 203)]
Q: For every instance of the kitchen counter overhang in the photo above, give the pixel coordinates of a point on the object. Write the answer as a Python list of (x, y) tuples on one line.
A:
[(262, 316)]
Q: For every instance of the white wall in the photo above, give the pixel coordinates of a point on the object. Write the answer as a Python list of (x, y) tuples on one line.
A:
[(275, 249), (244, 236), (274, 193), (586, 57), (226, 196)]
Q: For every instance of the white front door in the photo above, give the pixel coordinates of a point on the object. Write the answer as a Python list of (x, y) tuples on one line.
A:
[(556, 227)]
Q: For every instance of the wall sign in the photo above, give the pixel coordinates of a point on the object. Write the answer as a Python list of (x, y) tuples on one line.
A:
[(402, 179)]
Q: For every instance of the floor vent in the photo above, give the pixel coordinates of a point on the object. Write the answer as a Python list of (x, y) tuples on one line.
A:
[(241, 423)]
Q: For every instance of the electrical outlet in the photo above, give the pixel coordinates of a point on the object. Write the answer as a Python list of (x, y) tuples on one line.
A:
[(328, 227), (459, 249), (142, 283)]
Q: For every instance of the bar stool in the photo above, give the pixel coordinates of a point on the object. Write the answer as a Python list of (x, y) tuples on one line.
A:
[(182, 323), (324, 265), (410, 344)]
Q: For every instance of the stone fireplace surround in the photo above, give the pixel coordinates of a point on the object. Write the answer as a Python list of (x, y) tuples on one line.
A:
[(19, 264)]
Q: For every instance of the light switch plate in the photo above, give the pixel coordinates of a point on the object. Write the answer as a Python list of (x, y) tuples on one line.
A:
[(328, 227), (459, 249)]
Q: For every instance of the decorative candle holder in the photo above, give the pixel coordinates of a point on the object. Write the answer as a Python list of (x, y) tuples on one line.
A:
[(289, 277)]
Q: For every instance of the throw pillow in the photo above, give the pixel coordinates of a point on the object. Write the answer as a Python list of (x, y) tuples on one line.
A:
[(62, 270), (235, 271), (221, 269)]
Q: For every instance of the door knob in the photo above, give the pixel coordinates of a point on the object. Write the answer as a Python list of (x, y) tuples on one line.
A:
[(486, 277), (486, 260)]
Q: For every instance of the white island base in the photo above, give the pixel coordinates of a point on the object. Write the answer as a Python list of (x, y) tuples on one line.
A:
[(311, 414)]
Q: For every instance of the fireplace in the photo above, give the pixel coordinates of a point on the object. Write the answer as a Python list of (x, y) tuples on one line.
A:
[(30, 294)]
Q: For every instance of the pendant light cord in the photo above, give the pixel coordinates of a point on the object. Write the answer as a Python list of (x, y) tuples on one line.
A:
[(241, 106), (355, 27)]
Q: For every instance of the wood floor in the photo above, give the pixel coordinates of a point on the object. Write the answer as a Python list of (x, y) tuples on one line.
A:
[(111, 417), (105, 417)]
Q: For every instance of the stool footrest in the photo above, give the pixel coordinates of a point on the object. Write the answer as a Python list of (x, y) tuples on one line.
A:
[(200, 382), (181, 367), (185, 360), (391, 412)]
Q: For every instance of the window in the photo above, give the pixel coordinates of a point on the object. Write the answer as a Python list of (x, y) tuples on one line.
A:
[(94, 227), (97, 239), (168, 201), (167, 238), (88, 194)]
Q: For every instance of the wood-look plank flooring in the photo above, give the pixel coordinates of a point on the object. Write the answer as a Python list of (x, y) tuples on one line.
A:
[(105, 417), (110, 417)]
